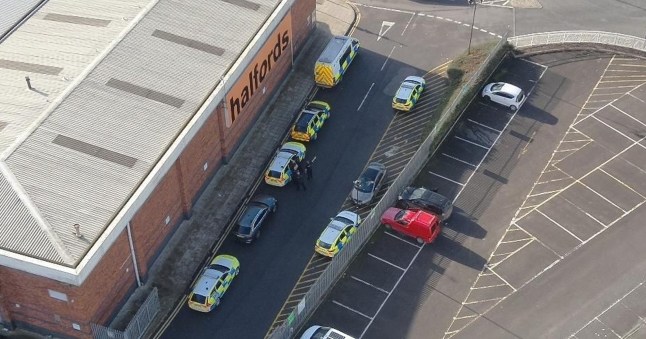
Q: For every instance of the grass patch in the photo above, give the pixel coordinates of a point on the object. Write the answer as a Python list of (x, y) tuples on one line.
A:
[(459, 72)]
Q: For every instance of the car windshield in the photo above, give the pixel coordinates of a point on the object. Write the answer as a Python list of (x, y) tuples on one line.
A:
[(400, 217), (244, 230), (320, 333), (520, 97), (219, 268), (249, 215), (364, 184), (316, 106), (497, 86), (325, 245), (418, 193), (343, 220), (400, 100), (303, 121), (200, 299), (274, 174)]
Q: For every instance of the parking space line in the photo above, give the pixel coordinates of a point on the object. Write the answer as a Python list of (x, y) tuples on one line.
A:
[(366, 96), (466, 317), (419, 250), (539, 241), (402, 239), (386, 261), (501, 254), (351, 309), (543, 193), (604, 198), (559, 225), (458, 160), (490, 286), (616, 130), (621, 182), (481, 301), (636, 97), (445, 178), (471, 142), (580, 140), (483, 125), (516, 240), (630, 116), (369, 284)]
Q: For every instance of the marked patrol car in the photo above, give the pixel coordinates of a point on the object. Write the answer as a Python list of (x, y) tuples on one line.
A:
[(408, 93), (213, 283), (279, 172), (337, 233), (310, 121), (335, 60)]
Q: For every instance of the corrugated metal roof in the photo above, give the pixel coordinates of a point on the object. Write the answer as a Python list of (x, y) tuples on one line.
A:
[(80, 159), (13, 12)]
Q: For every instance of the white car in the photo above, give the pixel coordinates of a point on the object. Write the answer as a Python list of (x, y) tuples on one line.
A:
[(321, 332), (504, 94)]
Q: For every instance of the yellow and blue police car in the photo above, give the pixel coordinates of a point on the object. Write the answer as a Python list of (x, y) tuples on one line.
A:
[(408, 93), (213, 283), (310, 121), (337, 234), (279, 172)]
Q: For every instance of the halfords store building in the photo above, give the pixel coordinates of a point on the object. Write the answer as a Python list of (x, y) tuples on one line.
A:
[(113, 116)]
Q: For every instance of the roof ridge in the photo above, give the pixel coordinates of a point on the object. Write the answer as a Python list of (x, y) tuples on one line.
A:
[(55, 241)]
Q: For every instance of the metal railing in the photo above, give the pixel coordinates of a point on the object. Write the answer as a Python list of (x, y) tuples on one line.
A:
[(338, 265), (137, 326), (568, 37)]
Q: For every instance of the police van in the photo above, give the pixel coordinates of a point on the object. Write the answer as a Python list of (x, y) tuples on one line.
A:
[(335, 60)]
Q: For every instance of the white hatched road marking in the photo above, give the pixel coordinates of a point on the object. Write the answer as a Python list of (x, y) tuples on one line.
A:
[(386, 261), (352, 309), (402, 239), (471, 142), (369, 284), (445, 178), (459, 160), (485, 126)]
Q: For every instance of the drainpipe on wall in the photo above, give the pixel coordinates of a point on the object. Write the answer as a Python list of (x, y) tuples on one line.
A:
[(134, 258)]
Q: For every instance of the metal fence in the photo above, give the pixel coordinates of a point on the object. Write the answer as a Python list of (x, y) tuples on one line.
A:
[(567, 37), (335, 269), (137, 326)]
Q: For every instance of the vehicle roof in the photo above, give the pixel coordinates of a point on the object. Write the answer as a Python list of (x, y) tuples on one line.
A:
[(332, 231), (425, 218), (250, 213), (280, 161), (206, 282), (73, 150), (425, 194), (511, 89), (333, 48), (405, 90)]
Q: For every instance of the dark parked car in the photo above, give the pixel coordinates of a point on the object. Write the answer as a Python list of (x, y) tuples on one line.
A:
[(366, 187), (425, 199), (254, 215)]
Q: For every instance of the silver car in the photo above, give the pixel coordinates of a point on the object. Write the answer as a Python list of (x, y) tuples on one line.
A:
[(369, 182), (504, 94)]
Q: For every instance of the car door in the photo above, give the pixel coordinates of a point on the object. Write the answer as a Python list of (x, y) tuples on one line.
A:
[(259, 219), (343, 239), (378, 181)]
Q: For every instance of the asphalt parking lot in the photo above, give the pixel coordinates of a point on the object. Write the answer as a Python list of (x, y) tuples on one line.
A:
[(357, 303), (485, 264)]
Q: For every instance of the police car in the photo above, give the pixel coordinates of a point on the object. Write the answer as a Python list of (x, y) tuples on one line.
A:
[(279, 172), (337, 234), (310, 121), (213, 283), (408, 93)]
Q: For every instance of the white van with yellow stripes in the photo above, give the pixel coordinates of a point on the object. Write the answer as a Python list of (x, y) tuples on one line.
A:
[(335, 60)]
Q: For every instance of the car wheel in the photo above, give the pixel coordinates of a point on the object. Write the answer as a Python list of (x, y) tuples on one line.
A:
[(388, 227), (316, 135), (487, 98), (217, 301), (420, 240), (513, 108)]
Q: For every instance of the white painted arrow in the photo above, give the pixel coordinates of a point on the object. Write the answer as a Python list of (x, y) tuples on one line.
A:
[(388, 25)]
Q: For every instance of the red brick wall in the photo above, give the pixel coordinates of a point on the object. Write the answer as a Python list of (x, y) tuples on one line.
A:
[(106, 287), (94, 301), (205, 147), (301, 10), (149, 228)]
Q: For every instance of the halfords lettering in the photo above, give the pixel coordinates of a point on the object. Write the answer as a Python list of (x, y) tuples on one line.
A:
[(256, 75)]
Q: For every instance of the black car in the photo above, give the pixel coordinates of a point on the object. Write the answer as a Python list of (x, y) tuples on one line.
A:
[(425, 199), (255, 213)]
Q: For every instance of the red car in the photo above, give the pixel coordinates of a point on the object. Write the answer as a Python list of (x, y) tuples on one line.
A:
[(422, 226)]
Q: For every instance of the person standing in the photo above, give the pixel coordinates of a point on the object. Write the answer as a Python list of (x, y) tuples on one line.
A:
[(308, 169), (298, 180)]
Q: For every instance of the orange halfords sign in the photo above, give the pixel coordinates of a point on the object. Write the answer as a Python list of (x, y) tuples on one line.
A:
[(250, 81)]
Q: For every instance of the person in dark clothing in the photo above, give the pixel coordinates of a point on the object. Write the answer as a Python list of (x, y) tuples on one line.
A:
[(308, 169), (298, 181)]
